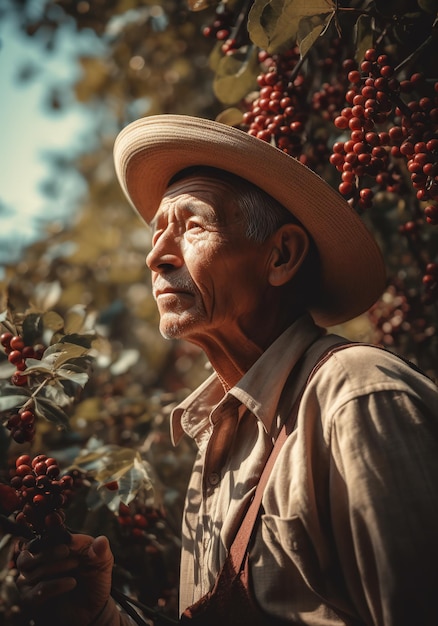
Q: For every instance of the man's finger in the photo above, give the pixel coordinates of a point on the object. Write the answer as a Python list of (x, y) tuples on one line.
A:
[(45, 590), (28, 561)]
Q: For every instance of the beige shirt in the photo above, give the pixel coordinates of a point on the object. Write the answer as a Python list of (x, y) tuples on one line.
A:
[(350, 513)]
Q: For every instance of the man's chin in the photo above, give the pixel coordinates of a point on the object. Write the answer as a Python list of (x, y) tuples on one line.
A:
[(173, 330)]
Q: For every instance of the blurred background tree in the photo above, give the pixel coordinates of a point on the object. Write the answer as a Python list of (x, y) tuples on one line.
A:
[(283, 70)]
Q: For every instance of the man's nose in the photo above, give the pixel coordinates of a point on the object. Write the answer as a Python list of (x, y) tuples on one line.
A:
[(165, 253)]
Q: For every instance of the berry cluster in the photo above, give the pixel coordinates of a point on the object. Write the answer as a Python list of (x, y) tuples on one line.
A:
[(370, 102), (406, 130), (398, 322), (17, 352), (42, 496), (137, 525), (430, 282), (22, 424), (220, 28), (277, 114), (328, 101)]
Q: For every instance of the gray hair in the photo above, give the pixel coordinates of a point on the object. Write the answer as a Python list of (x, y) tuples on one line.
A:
[(261, 214)]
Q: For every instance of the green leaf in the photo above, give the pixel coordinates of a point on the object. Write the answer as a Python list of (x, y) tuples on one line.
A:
[(49, 410), (4, 316), (12, 402), (80, 378), (46, 295), (364, 36), (59, 353), (120, 472), (6, 369), (57, 394), (53, 321), (85, 341), (34, 366), (32, 327), (235, 78), (310, 29), (274, 24), (430, 6), (216, 56), (231, 116), (74, 319)]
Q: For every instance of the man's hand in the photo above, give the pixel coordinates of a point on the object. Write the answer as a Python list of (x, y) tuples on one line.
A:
[(67, 584)]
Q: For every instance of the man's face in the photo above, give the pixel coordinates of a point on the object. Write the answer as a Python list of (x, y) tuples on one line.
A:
[(209, 280)]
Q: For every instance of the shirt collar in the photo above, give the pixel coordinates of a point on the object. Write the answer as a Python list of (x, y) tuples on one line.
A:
[(259, 389)]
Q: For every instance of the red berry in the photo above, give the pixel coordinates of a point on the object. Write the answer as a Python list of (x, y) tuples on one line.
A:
[(354, 76), (40, 468), (27, 417), (28, 352), (16, 482), (15, 357), (17, 343), (140, 521), (52, 471), (39, 499), (432, 268), (29, 480), (370, 55), (346, 188), (5, 339), (39, 459), (67, 481), (24, 459), (18, 379), (355, 123), (112, 486), (23, 470)]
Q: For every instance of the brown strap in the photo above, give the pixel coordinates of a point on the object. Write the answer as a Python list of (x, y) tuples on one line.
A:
[(239, 547)]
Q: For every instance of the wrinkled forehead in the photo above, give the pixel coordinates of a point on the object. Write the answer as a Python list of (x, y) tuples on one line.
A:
[(209, 195)]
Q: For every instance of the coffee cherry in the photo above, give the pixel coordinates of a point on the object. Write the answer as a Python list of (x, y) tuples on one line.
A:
[(40, 497), (15, 357), (17, 343), (5, 339)]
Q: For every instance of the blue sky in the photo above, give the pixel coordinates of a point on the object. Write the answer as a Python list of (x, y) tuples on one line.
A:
[(28, 130)]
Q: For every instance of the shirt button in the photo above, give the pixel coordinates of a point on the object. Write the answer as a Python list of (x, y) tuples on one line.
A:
[(213, 479)]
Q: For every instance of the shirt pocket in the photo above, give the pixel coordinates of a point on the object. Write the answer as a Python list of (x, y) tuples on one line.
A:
[(292, 549), (288, 541)]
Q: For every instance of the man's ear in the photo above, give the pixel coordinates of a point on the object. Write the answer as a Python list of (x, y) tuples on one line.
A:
[(290, 245)]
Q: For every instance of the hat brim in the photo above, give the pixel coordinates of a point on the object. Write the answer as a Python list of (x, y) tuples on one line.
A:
[(151, 150)]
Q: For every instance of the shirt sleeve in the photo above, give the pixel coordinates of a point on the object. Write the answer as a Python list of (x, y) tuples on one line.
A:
[(384, 505)]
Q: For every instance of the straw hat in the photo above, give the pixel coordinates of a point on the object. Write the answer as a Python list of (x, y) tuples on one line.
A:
[(150, 151)]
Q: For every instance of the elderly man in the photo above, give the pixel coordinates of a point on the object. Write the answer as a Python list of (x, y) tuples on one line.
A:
[(313, 498)]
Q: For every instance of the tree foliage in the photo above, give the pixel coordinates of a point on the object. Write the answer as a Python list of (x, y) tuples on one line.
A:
[(106, 382)]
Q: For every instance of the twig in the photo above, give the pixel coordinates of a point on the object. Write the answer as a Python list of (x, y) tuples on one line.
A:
[(14, 528), (125, 602)]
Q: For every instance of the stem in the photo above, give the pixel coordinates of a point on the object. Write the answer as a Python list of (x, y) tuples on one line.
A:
[(241, 21), (382, 35), (9, 327), (414, 54), (38, 389), (35, 393), (13, 528), (125, 602)]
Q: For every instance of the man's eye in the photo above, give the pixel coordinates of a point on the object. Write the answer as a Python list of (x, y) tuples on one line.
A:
[(191, 225)]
